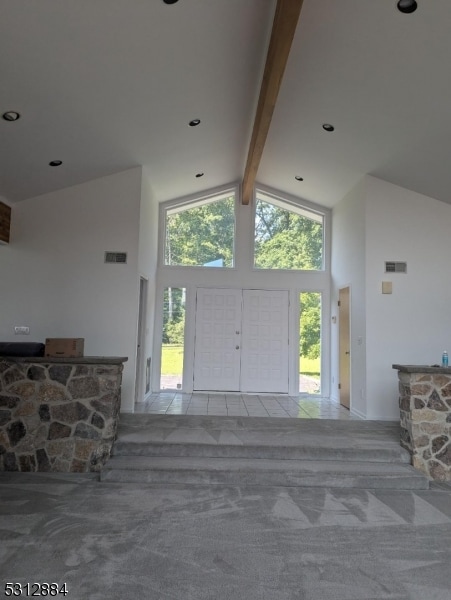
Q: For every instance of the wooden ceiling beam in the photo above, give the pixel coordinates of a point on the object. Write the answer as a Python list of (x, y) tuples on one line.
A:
[(284, 26)]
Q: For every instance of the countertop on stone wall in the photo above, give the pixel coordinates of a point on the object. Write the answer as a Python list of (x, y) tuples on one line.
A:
[(79, 360), (422, 369)]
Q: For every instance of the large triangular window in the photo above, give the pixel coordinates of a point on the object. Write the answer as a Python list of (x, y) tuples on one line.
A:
[(287, 236), (201, 233)]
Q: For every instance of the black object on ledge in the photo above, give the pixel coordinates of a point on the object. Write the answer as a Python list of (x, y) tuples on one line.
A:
[(22, 349)]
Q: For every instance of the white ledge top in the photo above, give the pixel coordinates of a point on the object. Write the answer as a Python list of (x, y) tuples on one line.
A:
[(422, 369), (79, 360)]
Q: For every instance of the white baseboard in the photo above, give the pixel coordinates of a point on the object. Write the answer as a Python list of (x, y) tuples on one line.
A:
[(358, 413)]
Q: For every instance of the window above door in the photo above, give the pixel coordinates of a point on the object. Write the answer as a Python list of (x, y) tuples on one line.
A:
[(287, 236), (213, 231), (201, 232)]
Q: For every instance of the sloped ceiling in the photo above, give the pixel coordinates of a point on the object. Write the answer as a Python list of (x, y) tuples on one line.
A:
[(105, 85)]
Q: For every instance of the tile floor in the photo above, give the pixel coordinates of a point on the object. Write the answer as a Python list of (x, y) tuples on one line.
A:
[(303, 406)]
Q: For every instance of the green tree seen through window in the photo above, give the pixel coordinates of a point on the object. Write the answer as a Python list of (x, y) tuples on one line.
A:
[(285, 239), (201, 235)]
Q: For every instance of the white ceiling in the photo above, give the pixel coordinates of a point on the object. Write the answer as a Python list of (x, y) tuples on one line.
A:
[(105, 85)]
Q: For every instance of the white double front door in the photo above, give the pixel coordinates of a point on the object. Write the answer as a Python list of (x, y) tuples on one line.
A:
[(241, 341)]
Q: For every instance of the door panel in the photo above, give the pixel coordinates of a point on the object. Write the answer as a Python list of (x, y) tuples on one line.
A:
[(216, 358), (241, 341), (264, 356)]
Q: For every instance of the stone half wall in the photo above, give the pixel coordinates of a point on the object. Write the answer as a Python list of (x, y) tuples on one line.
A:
[(58, 416), (425, 412)]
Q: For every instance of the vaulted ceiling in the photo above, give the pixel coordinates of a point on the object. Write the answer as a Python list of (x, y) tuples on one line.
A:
[(105, 85)]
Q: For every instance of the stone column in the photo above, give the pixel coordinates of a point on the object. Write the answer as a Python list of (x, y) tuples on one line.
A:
[(58, 414), (425, 414)]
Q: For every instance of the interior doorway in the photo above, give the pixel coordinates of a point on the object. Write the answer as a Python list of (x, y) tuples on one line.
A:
[(344, 334), (140, 345), (241, 340)]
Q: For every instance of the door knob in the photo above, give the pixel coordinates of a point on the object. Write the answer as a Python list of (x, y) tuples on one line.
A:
[(237, 347), (347, 352), (237, 332)]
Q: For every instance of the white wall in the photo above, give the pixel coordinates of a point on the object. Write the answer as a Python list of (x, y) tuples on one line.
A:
[(53, 277), (374, 223), (148, 259), (413, 324), (348, 269)]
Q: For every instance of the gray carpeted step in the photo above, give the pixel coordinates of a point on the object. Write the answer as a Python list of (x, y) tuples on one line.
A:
[(262, 472), (208, 450), (270, 450)]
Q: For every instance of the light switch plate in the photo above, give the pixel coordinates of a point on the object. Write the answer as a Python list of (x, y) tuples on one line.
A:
[(21, 330), (387, 287)]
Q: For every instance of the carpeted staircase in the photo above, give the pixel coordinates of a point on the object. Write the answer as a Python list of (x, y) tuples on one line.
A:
[(210, 450)]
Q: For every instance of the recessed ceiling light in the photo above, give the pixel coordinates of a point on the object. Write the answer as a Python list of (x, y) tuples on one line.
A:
[(328, 127), (298, 178), (199, 174), (11, 115), (194, 122), (55, 163), (170, 1), (407, 6)]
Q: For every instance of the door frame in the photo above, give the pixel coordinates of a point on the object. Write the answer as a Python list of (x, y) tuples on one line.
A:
[(141, 340), (344, 347), (293, 325)]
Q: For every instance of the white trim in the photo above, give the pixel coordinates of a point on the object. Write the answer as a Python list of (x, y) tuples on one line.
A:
[(383, 418), (293, 340), (188, 346), (293, 200), (203, 197), (359, 414), (140, 368), (173, 209), (298, 209)]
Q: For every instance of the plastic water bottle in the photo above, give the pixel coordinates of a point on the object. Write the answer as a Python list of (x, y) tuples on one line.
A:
[(445, 359)]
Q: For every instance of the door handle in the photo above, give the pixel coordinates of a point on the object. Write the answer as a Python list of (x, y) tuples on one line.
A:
[(237, 347), (347, 352)]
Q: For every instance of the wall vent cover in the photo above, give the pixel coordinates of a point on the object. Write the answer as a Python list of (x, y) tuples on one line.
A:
[(392, 266), (116, 258)]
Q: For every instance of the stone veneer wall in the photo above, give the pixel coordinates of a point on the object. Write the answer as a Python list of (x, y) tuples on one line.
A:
[(425, 411), (57, 416)]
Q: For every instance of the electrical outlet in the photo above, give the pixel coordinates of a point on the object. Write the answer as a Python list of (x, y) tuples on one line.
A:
[(22, 330)]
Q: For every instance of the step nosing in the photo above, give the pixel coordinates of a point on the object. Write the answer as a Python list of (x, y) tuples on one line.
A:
[(261, 464), (288, 447)]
